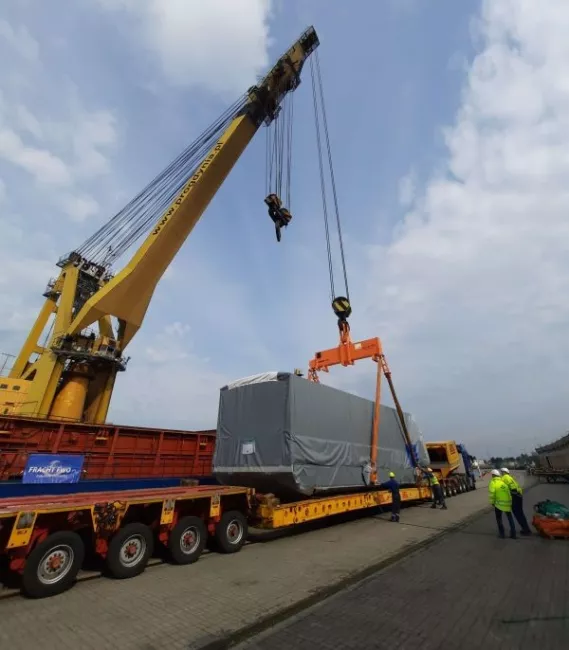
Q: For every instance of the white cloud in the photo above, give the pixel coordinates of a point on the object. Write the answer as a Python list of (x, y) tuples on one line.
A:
[(49, 137), (40, 163), (407, 189), (475, 282), (20, 41), (60, 143), (79, 207), (177, 329), (179, 388), (26, 269), (28, 122), (94, 134), (216, 44)]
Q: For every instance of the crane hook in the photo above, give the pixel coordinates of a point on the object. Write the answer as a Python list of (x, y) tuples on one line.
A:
[(281, 216), (343, 310)]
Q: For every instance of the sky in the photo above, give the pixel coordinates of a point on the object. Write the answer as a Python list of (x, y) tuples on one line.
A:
[(449, 127)]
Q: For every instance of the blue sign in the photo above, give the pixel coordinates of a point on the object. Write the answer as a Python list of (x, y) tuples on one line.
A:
[(53, 468)]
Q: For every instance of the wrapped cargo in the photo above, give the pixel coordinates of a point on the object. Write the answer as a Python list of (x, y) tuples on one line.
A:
[(280, 433)]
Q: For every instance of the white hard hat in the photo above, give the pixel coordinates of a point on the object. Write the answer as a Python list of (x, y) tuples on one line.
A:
[(495, 472), (504, 470)]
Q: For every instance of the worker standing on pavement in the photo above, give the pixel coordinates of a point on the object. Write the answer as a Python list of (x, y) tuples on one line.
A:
[(501, 499), (393, 486), (517, 500), (438, 495)]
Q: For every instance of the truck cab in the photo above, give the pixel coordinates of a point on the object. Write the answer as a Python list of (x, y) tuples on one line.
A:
[(452, 465)]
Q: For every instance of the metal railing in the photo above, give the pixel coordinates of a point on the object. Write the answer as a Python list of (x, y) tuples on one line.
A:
[(6, 363)]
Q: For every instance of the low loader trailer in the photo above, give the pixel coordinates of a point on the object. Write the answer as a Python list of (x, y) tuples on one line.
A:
[(46, 539), (551, 475)]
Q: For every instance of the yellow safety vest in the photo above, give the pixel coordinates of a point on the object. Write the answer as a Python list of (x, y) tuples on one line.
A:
[(500, 495), (511, 482), (433, 480)]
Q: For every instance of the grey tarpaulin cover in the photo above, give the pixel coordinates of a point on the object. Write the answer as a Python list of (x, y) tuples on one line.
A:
[(283, 434)]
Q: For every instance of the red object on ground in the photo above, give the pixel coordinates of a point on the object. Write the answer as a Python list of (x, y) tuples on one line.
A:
[(111, 451), (551, 527)]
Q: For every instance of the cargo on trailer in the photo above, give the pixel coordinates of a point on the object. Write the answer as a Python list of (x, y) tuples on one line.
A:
[(281, 434)]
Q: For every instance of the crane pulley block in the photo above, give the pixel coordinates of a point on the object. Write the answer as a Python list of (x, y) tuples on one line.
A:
[(342, 307), (280, 216)]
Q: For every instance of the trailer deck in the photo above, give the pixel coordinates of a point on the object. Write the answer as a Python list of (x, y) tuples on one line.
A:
[(46, 539), (551, 475), (275, 515), (70, 502), (82, 521)]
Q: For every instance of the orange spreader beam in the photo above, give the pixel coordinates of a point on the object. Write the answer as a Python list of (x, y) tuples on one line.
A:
[(346, 354)]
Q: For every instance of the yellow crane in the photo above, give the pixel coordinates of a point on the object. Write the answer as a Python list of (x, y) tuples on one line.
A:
[(93, 314)]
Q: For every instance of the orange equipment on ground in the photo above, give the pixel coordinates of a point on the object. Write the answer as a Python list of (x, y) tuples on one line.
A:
[(550, 527)]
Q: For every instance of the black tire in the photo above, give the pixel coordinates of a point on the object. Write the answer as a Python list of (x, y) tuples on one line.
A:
[(40, 579), (129, 551), (231, 532), (187, 540)]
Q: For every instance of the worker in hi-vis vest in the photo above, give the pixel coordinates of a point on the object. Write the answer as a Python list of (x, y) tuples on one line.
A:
[(501, 499), (517, 500), (438, 494), (393, 486)]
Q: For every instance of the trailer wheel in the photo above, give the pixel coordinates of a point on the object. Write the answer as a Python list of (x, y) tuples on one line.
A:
[(231, 532), (129, 551), (187, 540), (53, 565)]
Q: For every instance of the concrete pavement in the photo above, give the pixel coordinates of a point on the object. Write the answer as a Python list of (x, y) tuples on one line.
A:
[(225, 597), (468, 591)]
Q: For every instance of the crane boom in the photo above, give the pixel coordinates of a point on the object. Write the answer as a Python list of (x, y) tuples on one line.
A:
[(72, 377)]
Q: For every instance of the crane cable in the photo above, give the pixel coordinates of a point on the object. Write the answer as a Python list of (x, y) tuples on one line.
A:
[(278, 154), (320, 107), (115, 237)]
